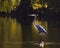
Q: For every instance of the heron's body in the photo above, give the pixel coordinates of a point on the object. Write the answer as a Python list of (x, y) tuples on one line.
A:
[(40, 28)]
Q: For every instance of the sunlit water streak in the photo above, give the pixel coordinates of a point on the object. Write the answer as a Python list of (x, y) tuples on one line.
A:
[(11, 35), (10, 31)]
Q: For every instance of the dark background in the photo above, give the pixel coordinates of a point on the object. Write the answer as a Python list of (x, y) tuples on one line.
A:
[(50, 14)]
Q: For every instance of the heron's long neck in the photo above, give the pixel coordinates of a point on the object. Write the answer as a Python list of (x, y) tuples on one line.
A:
[(35, 18)]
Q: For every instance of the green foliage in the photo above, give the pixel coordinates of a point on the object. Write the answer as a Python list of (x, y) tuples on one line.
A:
[(8, 5)]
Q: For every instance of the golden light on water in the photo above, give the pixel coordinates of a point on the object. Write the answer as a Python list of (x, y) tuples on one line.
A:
[(10, 33)]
